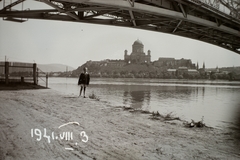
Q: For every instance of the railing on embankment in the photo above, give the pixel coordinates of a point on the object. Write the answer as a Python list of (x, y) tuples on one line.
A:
[(15, 72), (42, 77)]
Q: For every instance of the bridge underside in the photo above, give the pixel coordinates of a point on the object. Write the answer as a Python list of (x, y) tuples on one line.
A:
[(178, 17)]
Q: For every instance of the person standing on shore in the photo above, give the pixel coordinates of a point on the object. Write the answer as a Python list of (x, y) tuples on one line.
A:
[(84, 80)]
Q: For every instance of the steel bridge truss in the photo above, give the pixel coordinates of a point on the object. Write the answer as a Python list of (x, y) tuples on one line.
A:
[(185, 18)]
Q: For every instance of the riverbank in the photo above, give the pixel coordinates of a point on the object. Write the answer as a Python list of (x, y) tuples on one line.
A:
[(19, 86), (113, 133)]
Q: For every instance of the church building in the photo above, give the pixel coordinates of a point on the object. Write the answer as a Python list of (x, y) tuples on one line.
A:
[(137, 55)]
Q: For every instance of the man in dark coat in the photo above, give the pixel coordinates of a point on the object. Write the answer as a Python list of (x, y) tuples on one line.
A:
[(83, 80)]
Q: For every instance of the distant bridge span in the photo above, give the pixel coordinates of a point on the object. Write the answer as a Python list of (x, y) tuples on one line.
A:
[(202, 20)]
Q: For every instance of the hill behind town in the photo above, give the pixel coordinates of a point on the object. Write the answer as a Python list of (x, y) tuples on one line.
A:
[(55, 67)]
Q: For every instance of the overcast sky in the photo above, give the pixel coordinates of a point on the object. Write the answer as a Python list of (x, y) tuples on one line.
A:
[(73, 44)]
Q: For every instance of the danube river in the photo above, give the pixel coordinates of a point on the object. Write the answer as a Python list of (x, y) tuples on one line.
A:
[(217, 101)]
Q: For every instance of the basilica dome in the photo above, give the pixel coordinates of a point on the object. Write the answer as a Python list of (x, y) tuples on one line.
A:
[(138, 42)]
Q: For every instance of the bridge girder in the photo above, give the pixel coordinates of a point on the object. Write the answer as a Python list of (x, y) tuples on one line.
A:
[(177, 17)]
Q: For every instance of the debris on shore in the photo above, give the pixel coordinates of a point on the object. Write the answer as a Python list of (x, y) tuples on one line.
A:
[(166, 118), (198, 124)]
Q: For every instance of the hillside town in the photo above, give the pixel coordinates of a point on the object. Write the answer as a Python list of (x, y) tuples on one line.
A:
[(139, 64)]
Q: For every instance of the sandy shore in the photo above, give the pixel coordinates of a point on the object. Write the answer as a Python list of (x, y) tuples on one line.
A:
[(113, 133)]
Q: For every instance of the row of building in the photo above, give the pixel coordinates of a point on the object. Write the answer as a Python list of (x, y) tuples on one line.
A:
[(137, 56)]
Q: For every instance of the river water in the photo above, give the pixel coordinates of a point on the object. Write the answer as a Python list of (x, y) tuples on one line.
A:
[(217, 101)]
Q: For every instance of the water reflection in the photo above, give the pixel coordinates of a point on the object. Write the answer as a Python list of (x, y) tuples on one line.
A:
[(137, 98), (203, 92), (172, 93), (220, 105)]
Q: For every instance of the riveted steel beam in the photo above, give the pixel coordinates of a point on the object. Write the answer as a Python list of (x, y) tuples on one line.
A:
[(186, 19), (60, 10), (138, 7)]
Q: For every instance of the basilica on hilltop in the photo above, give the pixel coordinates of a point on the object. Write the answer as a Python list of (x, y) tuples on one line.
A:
[(137, 55)]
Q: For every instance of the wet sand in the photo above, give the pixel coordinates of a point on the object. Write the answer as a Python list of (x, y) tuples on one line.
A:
[(113, 133)]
